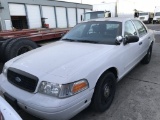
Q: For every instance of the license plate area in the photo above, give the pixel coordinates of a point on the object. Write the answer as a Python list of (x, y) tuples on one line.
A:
[(12, 101)]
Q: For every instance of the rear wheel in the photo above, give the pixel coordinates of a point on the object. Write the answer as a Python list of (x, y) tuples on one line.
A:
[(147, 57), (154, 22), (18, 47), (104, 92), (3, 48)]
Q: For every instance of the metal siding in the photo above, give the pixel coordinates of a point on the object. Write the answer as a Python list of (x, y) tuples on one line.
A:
[(34, 16), (17, 10), (71, 17), (5, 13), (51, 3), (48, 12), (79, 13), (88, 10), (61, 17)]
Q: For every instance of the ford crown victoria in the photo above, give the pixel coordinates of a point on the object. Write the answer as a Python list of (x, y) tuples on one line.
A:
[(59, 80)]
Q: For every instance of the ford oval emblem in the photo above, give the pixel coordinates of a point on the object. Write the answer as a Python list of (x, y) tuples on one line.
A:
[(18, 79)]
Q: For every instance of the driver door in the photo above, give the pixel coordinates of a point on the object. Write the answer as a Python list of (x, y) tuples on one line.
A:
[(130, 52)]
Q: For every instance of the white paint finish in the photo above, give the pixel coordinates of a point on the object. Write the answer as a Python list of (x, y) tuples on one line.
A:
[(106, 7), (48, 12), (66, 62), (71, 17), (8, 24), (79, 13), (34, 16), (7, 111), (128, 10), (17, 9), (61, 17)]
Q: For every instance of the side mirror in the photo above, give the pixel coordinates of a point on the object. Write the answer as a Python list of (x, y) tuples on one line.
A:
[(119, 40), (107, 14), (136, 14), (131, 39)]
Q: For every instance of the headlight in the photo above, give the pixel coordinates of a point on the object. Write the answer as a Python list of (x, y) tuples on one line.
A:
[(4, 71), (63, 91)]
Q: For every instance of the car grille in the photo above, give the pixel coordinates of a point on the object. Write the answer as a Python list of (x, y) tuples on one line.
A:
[(22, 79)]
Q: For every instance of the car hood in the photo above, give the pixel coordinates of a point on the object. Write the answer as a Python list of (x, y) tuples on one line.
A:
[(59, 58)]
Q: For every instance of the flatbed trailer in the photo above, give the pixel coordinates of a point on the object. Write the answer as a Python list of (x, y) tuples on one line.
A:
[(17, 42)]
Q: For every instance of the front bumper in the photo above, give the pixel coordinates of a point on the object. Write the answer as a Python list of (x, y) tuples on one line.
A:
[(47, 107), (156, 21)]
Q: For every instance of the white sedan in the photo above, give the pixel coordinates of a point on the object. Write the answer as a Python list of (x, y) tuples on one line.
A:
[(59, 80)]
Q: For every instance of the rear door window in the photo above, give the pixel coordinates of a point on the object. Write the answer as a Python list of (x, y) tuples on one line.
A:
[(129, 29), (140, 27)]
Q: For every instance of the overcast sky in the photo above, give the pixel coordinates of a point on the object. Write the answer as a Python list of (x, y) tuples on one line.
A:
[(143, 5)]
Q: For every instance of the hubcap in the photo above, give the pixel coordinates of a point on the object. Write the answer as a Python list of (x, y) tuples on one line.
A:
[(106, 91), (23, 50), (149, 54)]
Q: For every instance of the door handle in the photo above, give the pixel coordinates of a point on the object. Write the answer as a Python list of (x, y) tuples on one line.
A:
[(140, 43)]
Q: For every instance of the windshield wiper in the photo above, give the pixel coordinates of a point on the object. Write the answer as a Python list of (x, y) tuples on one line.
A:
[(67, 39), (87, 41)]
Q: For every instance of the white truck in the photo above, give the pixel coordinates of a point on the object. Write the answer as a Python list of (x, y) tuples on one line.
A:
[(120, 8), (156, 18), (146, 17)]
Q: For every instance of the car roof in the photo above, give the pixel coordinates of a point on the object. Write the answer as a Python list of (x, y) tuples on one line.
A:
[(118, 19)]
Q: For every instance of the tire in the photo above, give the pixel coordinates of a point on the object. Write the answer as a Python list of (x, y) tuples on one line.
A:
[(147, 57), (2, 49), (154, 22), (19, 46), (104, 92)]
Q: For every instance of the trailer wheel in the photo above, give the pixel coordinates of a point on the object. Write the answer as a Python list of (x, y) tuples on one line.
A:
[(2, 49), (18, 47)]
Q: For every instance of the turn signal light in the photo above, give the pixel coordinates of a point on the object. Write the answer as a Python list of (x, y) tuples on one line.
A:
[(79, 86)]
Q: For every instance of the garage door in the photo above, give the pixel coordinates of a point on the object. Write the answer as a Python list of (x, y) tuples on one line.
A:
[(48, 12), (34, 16), (17, 10), (61, 17), (79, 13), (71, 17)]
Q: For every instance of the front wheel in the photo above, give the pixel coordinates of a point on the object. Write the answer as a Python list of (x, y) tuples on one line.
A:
[(147, 57), (104, 92)]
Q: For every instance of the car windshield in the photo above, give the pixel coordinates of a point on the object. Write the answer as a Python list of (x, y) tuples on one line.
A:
[(103, 32), (142, 14), (157, 14), (93, 15)]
